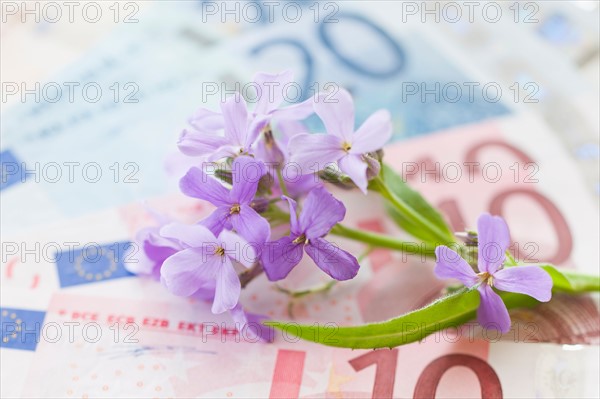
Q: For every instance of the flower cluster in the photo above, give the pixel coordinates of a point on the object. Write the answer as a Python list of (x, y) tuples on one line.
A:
[(242, 169), (244, 159)]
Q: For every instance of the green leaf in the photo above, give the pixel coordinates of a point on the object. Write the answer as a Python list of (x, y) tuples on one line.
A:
[(419, 205), (450, 311), (570, 281)]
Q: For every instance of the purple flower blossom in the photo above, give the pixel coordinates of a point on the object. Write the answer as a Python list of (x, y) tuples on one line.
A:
[(342, 144), (233, 206), (241, 128), (493, 241), (321, 212), (271, 95), (205, 262), (150, 249), (251, 326), (150, 252), (241, 131), (296, 183)]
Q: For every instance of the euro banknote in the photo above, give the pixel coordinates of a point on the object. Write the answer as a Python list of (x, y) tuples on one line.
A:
[(46, 279), (174, 352), (123, 138), (500, 167), (417, 58), (59, 35), (547, 33)]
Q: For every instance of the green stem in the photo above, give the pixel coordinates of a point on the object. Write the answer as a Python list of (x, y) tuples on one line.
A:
[(284, 190), (298, 294), (410, 213), (275, 215), (383, 241), (510, 260)]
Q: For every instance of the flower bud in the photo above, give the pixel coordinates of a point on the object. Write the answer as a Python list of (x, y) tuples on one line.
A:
[(374, 162), (260, 205), (268, 150), (469, 237)]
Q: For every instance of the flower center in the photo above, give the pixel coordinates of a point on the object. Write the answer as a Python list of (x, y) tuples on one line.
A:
[(300, 239), (486, 277), (235, 209), (220, 251), (346, 146)]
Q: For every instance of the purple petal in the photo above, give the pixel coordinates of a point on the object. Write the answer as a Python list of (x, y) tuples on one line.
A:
[(188, 270), (235, 114), (141, 264), (255, 128), (153, 237), (529, 280), (195, 143), (355, 167), (314, 152), (493, 241), (303, 184), (158, 254), (449, 264), (246, 175), (373, 167), (206, 292), (237, 248), (271, 90), (227, 293), (192, 235), (373, 134), (206, 120), (217, 221), (492, 313), (155, 255), (320, 213), (250, 325), (337, 113), (295, 112), (334, 261), (225, 151), (279, 257), (269, 151), (288, 129), (149, 252), (294, 225), (199, 185), (250, 225)]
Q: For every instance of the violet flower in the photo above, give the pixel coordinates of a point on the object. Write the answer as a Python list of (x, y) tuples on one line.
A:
[(493, 241), (241, 127), (240, 132), (272, 91), (272, 150), (149, 252), (203, 138), (233, 206), (320, 213), (206, 261), (313, 152), (150, 249), (251, 326)]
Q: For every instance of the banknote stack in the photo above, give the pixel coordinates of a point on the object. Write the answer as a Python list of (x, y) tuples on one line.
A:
[(494, 107)]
